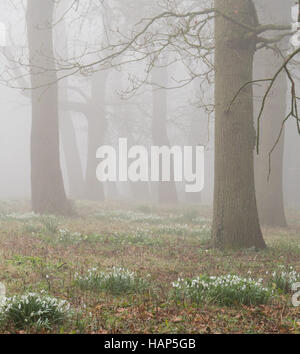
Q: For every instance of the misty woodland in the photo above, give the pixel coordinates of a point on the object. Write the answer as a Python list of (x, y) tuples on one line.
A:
[(150, 169)]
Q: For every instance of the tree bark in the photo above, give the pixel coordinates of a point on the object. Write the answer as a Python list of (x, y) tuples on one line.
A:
[(198, 135), (96, 132), (269, 191), (139, 190), (72, 157), (235, 216), (47, 187), (167, 193), (67, 131)]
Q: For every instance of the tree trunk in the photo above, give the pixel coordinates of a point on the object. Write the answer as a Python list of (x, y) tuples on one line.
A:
[(122, 111), (198, 135), (66, 126), (96, 132), (139, 190), (167, 193), (111, 191), (235, 217), (269, 192), (71, 153), (47, 187)]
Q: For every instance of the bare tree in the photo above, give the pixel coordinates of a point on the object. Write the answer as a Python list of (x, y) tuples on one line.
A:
[(96, 132), (235, 222), (67, 131), (185, 35), (238, 34), (47, 187), (269, 186), (166, 190)]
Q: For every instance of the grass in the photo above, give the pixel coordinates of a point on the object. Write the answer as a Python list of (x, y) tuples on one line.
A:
[(227, 290), (283, 279), (40, 253), (117, 281), (33, 311)]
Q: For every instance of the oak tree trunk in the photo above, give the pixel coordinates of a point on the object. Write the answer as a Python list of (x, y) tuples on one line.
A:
[(96, 133), (269, 192), (269, 184), (47, 187), (72, 156), (67, 131), (235, 217), (198, 135), (139, 190), (167, 193)]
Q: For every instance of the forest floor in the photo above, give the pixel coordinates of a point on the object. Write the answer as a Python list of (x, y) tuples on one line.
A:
[(160, 244)]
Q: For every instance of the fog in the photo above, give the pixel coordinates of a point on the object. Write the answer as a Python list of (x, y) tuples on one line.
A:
[(134, 113), (185, 121), (137, 124)]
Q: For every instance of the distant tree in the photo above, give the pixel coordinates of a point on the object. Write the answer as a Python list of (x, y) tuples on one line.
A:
[(67, 130), (167, 193), (269, 168), (184, 33), (92, 104), (96, 133), (47, 187)]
